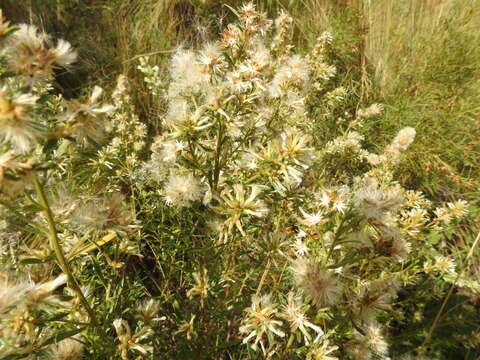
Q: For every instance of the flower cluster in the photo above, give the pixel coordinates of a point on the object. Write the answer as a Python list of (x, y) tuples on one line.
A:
[(238, 145)]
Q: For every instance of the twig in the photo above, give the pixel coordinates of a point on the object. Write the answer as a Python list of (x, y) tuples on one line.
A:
[(62, 262)]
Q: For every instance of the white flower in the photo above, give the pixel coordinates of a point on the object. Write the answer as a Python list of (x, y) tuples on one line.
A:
[(182, 190), (404, 138), (85, 117), (375, 159), (346, 144), (29, 55), (248, 160), (294, 313), (336, 200), (230, 37), (300, 247), (320, 284), (401, 142), (295, 102), (260, 321), (16, 124), (322, 352), (444, 264), (237, 82), (443, 215), (458, 208), (68, 349), (170, 149), (312, 219), (236, 204), (370, 111), (64, 53), (248, 9), (187, 122), (147, 310)]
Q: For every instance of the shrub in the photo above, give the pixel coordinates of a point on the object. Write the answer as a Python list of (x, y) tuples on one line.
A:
[(257, 226)]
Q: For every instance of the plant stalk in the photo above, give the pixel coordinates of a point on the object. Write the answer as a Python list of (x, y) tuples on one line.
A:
[(61, 260), (449, 294)]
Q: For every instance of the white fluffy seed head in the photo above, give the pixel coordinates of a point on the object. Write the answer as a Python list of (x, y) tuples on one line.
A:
[(17, 126), (321, 285), (182, 190)]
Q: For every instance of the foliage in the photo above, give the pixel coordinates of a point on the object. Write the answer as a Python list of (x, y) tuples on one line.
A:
[(255, 224)]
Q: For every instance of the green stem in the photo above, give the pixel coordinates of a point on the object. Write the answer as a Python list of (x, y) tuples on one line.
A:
[(216, 172), (335, 238), (291, 338), (62, 262), (422, 348)]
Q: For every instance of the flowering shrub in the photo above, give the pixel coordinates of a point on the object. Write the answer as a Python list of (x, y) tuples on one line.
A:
[(266, 239)]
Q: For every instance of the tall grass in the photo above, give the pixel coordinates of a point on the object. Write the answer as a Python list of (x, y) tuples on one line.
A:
[(403, 34), (424, 61), (421, 59)]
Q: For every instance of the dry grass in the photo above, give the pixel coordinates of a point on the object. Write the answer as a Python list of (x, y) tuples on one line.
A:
[(402, 34)]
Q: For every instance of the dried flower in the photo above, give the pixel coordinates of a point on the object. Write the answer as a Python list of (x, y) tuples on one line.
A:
[(187, 327), (375, 203), (236, 204), (370, 111), (401, 142), (294, 313), (18, 128), (84, 118), (322, 352), (321, 285), (128, 341), (147, 311), (369, 343), (182, 190), (29, 55), (68, 349), (259, 321), (201, 286), (109, 212), (4, 24)]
